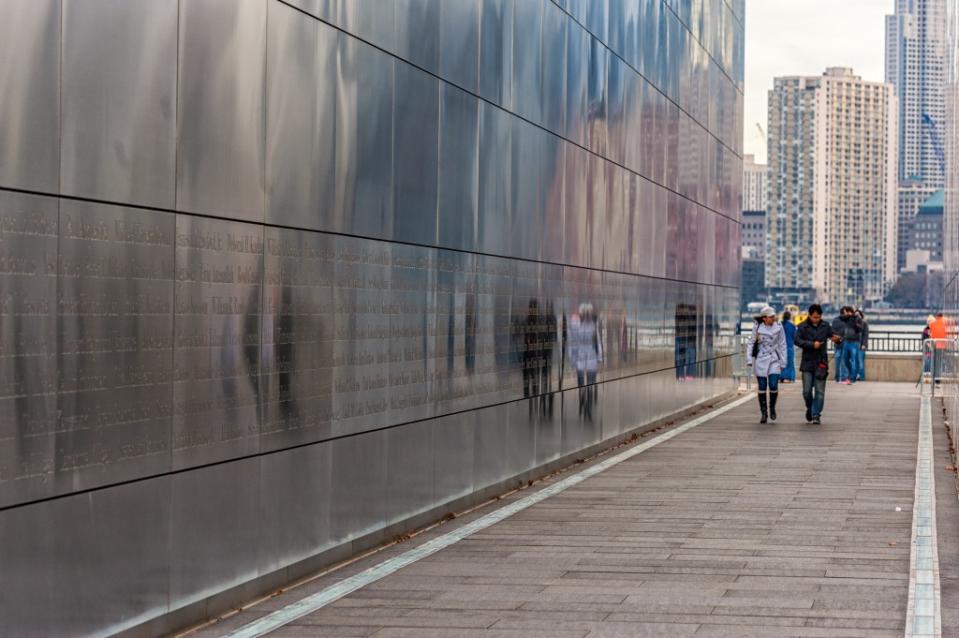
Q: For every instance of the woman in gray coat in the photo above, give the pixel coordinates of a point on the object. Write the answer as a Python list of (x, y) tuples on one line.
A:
[(769, 343)]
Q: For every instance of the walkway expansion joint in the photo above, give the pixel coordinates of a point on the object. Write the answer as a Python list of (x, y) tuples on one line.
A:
[(924, 618)]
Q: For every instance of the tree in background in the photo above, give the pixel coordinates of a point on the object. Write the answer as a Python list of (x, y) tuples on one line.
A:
[(917, 290)]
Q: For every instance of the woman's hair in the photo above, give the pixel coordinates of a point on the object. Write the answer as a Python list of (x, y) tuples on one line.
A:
[(787, 316)]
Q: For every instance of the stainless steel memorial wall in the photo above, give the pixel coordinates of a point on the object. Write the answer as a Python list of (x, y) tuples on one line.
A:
[(277, 276)]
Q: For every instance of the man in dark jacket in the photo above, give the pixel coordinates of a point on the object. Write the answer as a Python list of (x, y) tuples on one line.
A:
[(813, 336), (839, 330), (851, 346), (863, 345)]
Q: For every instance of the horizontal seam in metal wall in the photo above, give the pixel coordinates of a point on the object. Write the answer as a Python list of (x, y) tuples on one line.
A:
[(104, 202), (530, 122), (246, 457), (709, 55)]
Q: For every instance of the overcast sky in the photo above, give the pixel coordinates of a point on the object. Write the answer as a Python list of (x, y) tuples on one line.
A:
[(803, 37)]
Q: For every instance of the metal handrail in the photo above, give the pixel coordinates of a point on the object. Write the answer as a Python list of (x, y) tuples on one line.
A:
[(938, 362)]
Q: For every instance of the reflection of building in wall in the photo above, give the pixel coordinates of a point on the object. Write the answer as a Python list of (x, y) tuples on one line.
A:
[(831, 216), (755, 184), (311, 283), (753, 281), (754, 234), (912, 193), (915, 61)]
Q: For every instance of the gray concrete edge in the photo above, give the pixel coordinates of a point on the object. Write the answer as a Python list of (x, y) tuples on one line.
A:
[(231, 599)]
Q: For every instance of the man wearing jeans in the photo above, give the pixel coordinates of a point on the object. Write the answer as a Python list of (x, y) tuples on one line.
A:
[(851, 345), (813, 337)]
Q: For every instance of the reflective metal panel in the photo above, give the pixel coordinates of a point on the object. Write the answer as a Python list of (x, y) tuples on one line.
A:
[(380, 292), (294, 506), (415, 150), (368, 20), (555, 24), (496, 51), (409, 480), (460, 42), (214, 521), (28, 373), (417, 24), (529, 157), (119, 100), (458, 196), (297, 343), (364, 140), (216, 355), (115, 339), (322, 9), (359, 488), (220, 151), (577, 76), (495, 175), (300, 112), (454, 440), (90, 565), (30, 94), (528, 60)]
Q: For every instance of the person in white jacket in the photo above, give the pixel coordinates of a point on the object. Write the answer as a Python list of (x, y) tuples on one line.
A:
[(769, 343), (585, 353)]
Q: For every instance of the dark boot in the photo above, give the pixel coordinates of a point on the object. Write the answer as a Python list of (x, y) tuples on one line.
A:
[(773, 397), (762, 408)]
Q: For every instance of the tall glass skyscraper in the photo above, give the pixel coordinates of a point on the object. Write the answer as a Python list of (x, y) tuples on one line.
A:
[(283, 279), (915, 65)]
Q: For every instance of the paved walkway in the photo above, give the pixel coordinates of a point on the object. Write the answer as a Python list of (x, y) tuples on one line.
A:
[(730, 529)]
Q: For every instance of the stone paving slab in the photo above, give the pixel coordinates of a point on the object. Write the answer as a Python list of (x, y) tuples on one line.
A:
[(731, 529)]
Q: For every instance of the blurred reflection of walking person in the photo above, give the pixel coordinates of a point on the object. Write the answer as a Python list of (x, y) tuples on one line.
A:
[(767, 355), (585, 355), (789, 372)]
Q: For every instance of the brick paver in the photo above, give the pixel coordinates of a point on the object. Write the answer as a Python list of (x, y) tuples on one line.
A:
[(731, 529)]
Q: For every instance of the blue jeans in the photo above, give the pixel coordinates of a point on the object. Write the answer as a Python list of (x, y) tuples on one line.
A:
[(837, 361), (813, 393), (771, 382), (789, 372), (850, 356), (861, 364)]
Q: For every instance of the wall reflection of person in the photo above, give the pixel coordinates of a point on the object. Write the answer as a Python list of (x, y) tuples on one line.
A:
[(530, 353), (548, 335), (284, 354), (685, 341), (585, 355)]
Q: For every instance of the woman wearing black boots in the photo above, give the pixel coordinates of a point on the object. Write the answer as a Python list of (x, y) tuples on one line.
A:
[(767, 354)]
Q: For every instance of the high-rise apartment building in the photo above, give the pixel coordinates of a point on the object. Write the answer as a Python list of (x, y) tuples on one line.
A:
[(755, 184), (915, 63), (832, 188), (912, 194)]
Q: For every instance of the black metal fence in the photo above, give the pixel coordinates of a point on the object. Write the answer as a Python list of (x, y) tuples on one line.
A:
[(904, 342)]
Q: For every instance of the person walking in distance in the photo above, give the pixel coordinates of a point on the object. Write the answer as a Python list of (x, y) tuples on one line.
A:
[(863, 345), (839, 330), (851, 346), (813, 337), (767, 355), (789, 373), (939, 332)]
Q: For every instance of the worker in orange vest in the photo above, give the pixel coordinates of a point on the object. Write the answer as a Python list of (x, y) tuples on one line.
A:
[(938, 331)]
